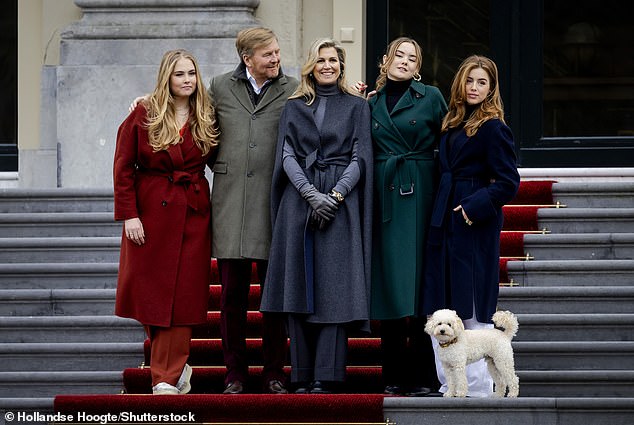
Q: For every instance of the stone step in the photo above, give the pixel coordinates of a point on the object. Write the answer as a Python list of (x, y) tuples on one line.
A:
[(594, 194), (76, 224), (56, 200), (575, 327), (538, 410), (599, 246), (51, 383), (70, 329), (533, 327), (560, 273), (56, 302), (40, 275), (574, 355), (60, 356), (26, 410), (576, 383), (518, 299), (60, 249), (574, 299), (586, 220), (555, 383)]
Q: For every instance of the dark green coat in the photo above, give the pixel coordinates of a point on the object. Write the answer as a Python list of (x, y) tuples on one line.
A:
[(404, 172)]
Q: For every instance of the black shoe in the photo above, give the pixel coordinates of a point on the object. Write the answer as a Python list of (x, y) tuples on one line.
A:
[(275, 387), (322, 387), (393, 390), (302, 388), (234, 387), (418, 392)]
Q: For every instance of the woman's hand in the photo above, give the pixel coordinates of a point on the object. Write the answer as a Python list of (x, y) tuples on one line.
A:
[(136, 101), (361, 87), (134, 230), (464, 214)]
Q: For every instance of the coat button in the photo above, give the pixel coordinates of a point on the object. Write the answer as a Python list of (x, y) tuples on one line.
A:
[(391, 187), (170, 179), (164, 203), (412, 122), (417, 95), (250, 174), (251, 145), (253, 116)]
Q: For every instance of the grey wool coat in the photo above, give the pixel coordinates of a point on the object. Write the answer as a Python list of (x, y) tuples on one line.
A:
[(241, 225), (324, 274)]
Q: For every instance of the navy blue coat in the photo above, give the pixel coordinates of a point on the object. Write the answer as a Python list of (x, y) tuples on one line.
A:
[(479, 173)]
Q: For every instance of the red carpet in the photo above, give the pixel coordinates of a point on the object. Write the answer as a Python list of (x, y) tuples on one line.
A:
[(534, 193), (359, 408), (209, 380), (363, 373), (361, 351)]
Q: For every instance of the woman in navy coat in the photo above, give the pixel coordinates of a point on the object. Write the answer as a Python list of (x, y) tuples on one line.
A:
[(478, 176)]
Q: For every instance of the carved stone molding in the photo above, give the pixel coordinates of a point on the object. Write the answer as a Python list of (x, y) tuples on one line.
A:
[(152, 19)]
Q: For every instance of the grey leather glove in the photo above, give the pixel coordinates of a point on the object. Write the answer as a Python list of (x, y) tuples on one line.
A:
[(322, 204), (317, 222)]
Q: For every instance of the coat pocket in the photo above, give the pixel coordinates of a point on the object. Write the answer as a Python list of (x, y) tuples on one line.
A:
[(220, 167)]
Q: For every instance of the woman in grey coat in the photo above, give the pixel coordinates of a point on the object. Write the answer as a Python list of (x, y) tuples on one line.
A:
[(321, 205)]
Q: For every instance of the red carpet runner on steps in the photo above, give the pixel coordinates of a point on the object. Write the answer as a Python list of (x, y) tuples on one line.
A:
[(362, 404)]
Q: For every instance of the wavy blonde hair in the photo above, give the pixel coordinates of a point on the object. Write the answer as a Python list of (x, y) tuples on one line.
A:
[(306, 88), (163, 129), (390, 56), (491, 107)]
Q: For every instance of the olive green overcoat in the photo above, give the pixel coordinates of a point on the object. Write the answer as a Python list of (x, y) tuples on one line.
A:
[(241, 191), (404, 172)]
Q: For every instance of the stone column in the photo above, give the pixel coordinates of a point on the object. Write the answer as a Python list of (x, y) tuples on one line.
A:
[(111, 56)]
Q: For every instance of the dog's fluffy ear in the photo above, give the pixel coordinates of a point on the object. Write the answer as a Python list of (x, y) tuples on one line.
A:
[(429, 326), (457, 324)]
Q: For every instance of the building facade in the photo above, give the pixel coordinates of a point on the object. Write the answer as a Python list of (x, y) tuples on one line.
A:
[(71, 68)]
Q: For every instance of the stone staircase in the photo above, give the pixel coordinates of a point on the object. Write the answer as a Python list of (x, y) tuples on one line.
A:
[(574, 351), (574, 301), (58, 267)]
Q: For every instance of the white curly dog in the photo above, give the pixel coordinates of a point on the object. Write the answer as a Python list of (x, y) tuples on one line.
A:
[(460, 347)]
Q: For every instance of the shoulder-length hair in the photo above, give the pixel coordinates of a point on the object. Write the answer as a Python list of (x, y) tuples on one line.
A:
[(390, 56), (306, 88), (491, 107), (163, 129)]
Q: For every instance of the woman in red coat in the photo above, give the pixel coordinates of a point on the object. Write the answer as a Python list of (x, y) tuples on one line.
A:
[(161, 193)]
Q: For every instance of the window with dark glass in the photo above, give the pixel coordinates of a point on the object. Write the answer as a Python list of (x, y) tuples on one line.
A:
[(448, 32), (9, 84), (588, 69)]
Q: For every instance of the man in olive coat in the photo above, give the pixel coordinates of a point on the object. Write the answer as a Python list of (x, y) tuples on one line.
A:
[(248, 102)]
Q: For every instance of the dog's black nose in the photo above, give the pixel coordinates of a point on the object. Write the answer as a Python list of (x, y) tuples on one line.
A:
[(442, 331)]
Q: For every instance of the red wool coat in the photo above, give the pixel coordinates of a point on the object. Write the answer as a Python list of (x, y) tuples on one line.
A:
[(164, 282)]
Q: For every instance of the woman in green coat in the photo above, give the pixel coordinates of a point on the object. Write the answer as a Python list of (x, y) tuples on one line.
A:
[(406, 120)]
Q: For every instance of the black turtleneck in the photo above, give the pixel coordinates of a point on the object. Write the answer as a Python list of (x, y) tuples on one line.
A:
[(394, 90)]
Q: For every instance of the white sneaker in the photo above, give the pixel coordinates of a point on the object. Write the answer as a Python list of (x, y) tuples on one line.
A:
[(164, 388), (183, 385)]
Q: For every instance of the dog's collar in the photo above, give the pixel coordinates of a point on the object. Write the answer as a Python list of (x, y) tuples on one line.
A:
[(448, 343)]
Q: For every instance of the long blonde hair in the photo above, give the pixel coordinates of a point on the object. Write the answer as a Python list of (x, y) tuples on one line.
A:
[(390, 56), (306, 88), (491, 107), (163, 129)]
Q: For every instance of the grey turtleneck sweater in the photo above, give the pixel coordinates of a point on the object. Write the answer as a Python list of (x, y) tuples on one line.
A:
[(296, 175)]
